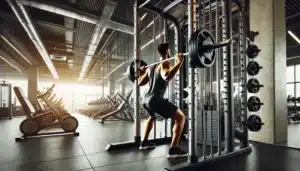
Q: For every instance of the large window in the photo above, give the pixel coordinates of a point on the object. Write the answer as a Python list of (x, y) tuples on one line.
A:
[(293, 80)]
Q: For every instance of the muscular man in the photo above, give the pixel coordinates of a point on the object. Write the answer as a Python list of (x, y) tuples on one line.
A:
[(158, 78)]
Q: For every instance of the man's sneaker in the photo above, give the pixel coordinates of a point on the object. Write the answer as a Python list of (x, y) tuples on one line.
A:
[(146, 145), (176, 152)]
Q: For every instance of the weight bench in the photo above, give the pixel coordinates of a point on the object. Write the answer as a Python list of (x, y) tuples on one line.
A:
[(120, 108), (111, 106), (37, 121)]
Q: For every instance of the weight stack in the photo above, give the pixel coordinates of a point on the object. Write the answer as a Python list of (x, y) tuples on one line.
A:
[(206, 122)]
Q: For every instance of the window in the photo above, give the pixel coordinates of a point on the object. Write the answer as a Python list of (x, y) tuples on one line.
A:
[(290, 74), (297, 90), (297, 73), (291, 89)]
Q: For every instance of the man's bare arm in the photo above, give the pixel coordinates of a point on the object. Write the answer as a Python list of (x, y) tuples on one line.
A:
[(167, 72), (143, 79)]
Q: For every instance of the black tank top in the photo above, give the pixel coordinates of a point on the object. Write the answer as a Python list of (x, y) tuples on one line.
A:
[(157, 85)]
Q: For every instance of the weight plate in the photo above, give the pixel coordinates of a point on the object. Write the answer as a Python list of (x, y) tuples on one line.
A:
[(185, 94), (200, 56), (254, 123), (185, 84), (253, 68), (252, 51), (253, 85), (130, 72), (254, 104)]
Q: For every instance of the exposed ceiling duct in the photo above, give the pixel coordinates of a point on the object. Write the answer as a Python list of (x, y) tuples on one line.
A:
[(69, 36), (99, 31), (76, 14), (11, 62), (27, 24)]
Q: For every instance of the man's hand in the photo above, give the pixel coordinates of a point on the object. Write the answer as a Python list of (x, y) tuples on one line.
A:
[(143, 69), (180, 57)]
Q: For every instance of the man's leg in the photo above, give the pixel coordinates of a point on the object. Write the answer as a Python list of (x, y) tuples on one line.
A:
[(145, 144), (179, 120), (149, 126)]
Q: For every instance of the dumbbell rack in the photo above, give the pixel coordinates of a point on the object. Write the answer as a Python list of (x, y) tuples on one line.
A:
[(293, 108)]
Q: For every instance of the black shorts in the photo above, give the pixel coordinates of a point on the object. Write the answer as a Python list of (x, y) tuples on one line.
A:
[(159, 105)]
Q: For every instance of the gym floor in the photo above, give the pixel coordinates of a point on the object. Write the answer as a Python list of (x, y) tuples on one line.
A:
[(86, 152)]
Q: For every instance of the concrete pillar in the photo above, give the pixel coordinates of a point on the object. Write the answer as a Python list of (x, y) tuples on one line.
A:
[(33, 80), (268, 17)]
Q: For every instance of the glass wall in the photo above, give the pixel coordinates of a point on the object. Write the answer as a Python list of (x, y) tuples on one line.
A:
[(293, 80), (75, 96)]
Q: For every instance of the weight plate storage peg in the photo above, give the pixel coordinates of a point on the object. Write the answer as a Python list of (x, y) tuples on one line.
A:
[(253, 85), (252, 51), (254, 104), (254, 123), (253, 68), (131, 70)]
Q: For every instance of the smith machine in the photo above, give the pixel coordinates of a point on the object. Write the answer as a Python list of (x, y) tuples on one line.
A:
[(213, 47)]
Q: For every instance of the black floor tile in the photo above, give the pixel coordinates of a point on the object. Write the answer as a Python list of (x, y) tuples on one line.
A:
[(154, 164), (68, 164), (130, 155)]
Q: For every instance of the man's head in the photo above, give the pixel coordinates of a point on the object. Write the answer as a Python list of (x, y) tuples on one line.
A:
[(163, 50)]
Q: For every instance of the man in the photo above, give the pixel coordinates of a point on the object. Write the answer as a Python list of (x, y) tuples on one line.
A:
[(158, 78)]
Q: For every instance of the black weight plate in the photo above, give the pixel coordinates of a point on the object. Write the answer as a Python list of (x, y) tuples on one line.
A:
[(254, 104), (131, 70), (254, 123), (298, 99), (208, 56), (198, 55), (252, 51), (185, 106), (185, 84), (185, 94), (253, 68), (192, 49), (253, 85)]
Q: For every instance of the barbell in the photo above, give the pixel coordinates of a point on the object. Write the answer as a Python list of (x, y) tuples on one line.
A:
[(201, 52)]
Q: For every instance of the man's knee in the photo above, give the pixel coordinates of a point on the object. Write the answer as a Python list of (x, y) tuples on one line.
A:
[(179, 115)]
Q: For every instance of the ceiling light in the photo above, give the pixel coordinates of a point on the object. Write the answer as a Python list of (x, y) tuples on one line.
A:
[(294, 36)]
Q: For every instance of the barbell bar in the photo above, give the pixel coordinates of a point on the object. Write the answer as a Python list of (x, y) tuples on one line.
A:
[(201, 52)]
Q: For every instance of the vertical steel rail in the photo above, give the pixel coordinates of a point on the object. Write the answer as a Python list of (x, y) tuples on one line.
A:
[(136, 40), (204, 83), (244, 62), (165, 39), (192, 118), (154, 57), (210, 87), (176, 49), (228, 66), (218, 77)]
